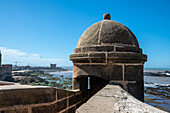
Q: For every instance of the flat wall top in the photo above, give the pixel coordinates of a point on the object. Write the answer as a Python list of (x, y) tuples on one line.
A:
[(9, 87), (113, 98)]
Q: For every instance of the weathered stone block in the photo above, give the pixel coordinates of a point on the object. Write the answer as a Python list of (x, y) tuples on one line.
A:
[(97, 55), (97, 60), (137, 90), (108, 72), (127, 49), (61, 105), (114, 60), (79, 97), (95, 49), (26, 96), (115, 72), (133, 73), (72, 100), (45, 109), (61, 93), (126, 57), (79, 55), (75, 99)]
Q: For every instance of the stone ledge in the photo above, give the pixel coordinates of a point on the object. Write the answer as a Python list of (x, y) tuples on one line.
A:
[(112, 98), (108, 57), (6, 83), (107, 48), (11, 87)]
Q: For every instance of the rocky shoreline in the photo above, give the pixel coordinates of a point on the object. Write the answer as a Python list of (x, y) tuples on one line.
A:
[(160, 74), (42, 77), (157, 91), (29, 77), (158, 97)]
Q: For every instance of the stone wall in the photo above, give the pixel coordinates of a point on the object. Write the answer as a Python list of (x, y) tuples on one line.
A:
[(2, 73), (8, 68), (6, 72), (128, 75), (39, 99)]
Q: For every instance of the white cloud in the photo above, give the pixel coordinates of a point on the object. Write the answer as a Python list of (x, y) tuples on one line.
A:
[(14, 52), (9, 56), (35, 55)]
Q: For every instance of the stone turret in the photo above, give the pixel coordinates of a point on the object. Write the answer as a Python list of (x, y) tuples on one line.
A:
[(108, 52)]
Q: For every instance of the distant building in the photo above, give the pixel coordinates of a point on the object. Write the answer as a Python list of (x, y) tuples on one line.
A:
[(16, 68), (5, 71), (53, 66)]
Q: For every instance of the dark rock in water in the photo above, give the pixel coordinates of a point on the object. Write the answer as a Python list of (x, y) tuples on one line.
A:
[(167, 71), (160, 74), (162, 91), (145, 82)]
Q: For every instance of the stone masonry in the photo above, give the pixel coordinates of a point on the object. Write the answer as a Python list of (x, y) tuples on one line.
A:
[(5, 71), (38, 99), (108, 52)]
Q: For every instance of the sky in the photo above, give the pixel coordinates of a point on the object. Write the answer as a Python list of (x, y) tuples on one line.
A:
[(40, 32)]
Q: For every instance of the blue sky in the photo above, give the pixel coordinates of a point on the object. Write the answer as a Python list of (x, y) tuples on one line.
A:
[(46, 31)]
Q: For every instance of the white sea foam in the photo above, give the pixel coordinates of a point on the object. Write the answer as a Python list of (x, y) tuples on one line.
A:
[(168, 74), (151, 81)]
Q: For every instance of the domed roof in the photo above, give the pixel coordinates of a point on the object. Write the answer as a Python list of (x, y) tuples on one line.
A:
[(107, 41), (107, 33)]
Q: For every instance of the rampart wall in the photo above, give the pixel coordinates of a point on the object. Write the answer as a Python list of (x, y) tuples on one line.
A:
[(45, 99), (39, 99)]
